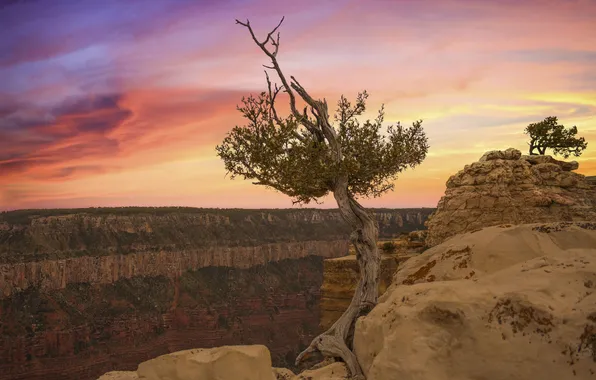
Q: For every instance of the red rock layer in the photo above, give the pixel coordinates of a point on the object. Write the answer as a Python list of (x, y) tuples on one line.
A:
[(56, 274), (83, 331)]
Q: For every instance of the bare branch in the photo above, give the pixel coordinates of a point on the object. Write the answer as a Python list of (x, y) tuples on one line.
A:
[(311, 127), (272, 95)]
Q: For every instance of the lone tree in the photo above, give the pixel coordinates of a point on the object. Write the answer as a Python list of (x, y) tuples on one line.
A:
[(306, 156), (549, 134)]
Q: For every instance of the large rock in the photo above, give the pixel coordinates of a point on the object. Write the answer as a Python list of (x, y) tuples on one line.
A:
[(506, 187), (502, 303), (221, 363)]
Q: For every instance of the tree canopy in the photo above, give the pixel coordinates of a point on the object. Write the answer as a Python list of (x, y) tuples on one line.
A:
[(549, 134), (284, 154), (308, 155)]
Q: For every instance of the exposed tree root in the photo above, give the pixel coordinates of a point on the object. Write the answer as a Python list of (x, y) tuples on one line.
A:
[(336, 342)]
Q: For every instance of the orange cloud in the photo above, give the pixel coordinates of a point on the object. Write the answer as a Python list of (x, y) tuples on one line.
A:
[(127, 111)]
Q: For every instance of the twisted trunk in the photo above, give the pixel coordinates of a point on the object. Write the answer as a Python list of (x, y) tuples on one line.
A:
[(337, 341)]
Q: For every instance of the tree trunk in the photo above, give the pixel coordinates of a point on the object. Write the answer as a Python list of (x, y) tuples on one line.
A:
[(337, 342)]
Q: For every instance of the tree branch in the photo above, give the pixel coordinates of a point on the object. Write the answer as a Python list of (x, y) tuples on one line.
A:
[(311, 127), (273, 111)]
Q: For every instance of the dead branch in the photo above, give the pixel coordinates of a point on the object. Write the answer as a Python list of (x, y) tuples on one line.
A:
[(309, 125)]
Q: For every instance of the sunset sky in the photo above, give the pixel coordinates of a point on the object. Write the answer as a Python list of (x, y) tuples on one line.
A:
[(122, 102)]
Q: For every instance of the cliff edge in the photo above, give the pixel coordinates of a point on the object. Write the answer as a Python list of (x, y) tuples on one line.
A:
[(503, 303)]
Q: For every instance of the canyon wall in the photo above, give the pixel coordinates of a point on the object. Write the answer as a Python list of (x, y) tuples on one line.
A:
[(82, 331), (37, 235), (84, 292), (94, 270)]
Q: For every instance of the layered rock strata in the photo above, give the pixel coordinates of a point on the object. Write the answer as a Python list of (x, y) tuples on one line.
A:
[(84, 330), (506, 187), (83, 292)]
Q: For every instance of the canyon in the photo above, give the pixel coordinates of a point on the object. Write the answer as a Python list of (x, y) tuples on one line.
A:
[(500, 286), (84, 292)]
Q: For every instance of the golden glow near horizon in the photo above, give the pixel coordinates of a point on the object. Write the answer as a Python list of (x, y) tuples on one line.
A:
[(128, 111)]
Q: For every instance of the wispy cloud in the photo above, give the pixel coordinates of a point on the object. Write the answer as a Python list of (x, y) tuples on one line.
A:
[(115, 103)]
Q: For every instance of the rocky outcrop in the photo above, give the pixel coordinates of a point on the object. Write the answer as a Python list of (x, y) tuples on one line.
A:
[(221, 363), (504, 302), (506, 187)]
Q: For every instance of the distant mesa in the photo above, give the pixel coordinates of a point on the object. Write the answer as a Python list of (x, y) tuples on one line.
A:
[(87, 291)]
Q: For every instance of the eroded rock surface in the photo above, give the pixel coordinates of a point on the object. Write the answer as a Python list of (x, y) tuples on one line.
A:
[(86, 291), (221, 363), (507, 187), (502, 303)]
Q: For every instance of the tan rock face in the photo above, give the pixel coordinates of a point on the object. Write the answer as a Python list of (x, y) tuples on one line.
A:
[(221, 363), (502, 303), (506, 187)]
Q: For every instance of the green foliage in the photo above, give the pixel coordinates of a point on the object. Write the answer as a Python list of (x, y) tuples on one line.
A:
[(389, 247), (286, 155), (548, 134)]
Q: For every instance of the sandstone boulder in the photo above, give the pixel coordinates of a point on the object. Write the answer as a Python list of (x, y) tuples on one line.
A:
[(508, 154), (506, 187), (220, 363), (502, 303), (538, 159)]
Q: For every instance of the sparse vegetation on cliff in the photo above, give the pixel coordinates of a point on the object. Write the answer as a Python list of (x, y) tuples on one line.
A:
[(549, 134), (306, 157)]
